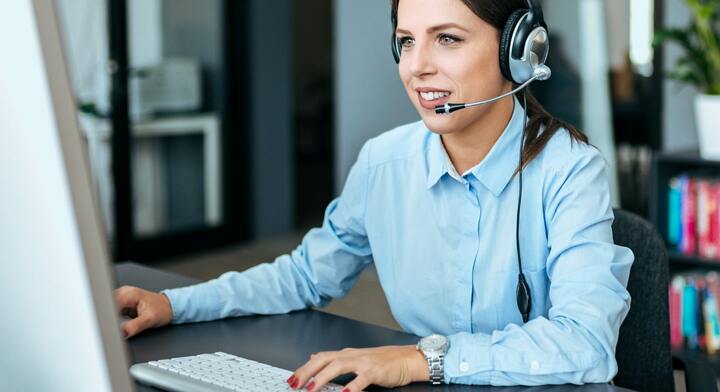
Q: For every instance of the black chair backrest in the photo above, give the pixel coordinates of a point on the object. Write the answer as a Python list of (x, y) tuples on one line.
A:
[(643, 350)]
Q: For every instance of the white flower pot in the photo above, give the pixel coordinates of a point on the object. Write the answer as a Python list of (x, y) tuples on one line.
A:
[(707, 115)]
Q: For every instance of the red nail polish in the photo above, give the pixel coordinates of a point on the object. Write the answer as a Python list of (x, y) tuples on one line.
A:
[(294, 384), (310, 386), (346, 390), (291, 379)]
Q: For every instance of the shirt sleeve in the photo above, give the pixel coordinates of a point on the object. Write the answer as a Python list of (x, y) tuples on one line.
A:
[(588, 276), (324, 266)]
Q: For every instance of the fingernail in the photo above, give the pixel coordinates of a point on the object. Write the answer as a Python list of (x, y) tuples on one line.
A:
[(291, 379), (346, 390), (294, 384), (310, 386)]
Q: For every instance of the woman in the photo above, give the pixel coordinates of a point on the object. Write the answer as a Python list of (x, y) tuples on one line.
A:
[(444, 243)]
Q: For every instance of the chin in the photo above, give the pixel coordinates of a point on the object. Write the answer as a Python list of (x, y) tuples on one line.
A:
[(441, 124)]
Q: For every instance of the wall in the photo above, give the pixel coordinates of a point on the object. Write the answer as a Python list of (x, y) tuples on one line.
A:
[(369, 97), (679, 132)]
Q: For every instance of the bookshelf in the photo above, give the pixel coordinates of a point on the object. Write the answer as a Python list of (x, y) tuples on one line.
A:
[(665, 167)]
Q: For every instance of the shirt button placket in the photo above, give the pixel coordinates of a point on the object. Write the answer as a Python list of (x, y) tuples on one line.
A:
[(468, 252), (473, 244)]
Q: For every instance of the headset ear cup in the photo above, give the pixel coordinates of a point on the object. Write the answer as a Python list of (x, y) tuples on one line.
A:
[(506, 43), (395, 49)]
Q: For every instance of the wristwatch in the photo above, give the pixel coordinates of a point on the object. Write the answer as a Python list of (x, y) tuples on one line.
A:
[(434, 348)]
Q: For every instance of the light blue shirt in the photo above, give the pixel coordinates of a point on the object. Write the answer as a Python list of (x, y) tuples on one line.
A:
[(444, 249)]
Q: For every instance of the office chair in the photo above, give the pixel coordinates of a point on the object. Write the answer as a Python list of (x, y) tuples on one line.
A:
[(643, 350)]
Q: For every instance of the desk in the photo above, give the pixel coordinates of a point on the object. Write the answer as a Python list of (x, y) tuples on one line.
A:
[(284, 341)]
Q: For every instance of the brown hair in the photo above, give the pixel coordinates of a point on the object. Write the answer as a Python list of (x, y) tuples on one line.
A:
[(496, 13)]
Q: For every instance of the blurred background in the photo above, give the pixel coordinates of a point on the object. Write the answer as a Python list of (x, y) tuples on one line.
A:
[(219, 130)]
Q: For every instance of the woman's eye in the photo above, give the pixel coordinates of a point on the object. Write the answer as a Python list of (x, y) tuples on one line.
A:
[(447, 39), (406, 42)]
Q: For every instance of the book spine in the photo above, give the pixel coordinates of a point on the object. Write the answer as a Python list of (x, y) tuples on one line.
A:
[(674, 227), (689, 316), (705, 246), (689, 216), (675, 291), (713, 289), (715, 219), (700, 322)]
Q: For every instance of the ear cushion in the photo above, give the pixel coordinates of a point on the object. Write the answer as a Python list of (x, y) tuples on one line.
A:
[(506, 42)]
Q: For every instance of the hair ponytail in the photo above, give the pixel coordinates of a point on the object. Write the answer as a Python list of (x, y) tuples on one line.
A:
[(539, 118)]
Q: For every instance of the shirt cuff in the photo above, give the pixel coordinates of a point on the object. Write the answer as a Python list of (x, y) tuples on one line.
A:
[(468, 356), (181, 301)]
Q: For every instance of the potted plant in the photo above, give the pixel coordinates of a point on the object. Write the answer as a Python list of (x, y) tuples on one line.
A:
[(700, 67)]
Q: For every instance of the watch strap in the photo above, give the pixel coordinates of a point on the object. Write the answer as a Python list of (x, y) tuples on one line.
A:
[(436, 366)]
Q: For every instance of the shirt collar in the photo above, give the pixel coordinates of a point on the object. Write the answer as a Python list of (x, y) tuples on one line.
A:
[(497, 168)]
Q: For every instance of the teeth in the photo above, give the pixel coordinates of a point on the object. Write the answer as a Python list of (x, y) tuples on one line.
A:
[(433, 95)]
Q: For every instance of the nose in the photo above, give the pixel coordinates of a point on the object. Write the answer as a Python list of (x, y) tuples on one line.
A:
[(420, 61)]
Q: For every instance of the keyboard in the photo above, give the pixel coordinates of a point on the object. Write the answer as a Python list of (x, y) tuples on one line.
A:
[(213, 373)]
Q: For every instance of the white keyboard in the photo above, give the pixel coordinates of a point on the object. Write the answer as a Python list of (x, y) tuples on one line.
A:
[(215, 372)]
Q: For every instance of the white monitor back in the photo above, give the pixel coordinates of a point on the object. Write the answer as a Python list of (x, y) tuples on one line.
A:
[(58, 321)]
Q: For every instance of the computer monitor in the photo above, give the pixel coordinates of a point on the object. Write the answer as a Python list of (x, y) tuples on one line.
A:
[(59, 328)]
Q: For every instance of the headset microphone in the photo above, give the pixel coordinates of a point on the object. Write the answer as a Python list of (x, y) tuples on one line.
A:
[(541, 72)]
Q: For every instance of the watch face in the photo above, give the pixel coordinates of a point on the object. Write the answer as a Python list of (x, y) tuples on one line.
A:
[(433, 343)]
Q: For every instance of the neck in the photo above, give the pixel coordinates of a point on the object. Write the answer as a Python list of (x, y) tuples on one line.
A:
[(468, 147)]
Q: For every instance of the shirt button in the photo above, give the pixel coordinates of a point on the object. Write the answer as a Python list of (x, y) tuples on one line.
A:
[(464, 367), (535, 365)]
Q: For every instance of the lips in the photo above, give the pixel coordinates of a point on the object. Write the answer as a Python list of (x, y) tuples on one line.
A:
[(430, 104)]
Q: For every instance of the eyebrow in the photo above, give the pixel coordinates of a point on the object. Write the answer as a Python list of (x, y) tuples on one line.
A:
[(436, 28)]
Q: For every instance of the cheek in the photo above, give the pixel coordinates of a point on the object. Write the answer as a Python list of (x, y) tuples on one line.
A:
[(405, 75), (476, 79)]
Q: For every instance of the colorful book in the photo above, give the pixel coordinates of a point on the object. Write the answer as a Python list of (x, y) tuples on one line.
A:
[(705, 212), (674, 227), (675, 290), (689, 215), (689, 315)]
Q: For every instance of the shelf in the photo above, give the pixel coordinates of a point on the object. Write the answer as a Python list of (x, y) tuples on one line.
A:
[(687, 158), (712, 360), (681, 260)]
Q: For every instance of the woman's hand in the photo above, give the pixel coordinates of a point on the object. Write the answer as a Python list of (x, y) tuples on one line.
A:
[(388, 366), (147, 309)]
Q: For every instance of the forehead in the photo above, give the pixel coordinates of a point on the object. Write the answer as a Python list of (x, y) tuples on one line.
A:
[(420, 14)]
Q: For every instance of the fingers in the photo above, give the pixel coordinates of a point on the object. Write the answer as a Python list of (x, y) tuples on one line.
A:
[(356, 385), (127, 297), (316, 363), (133, 327), (131, 302), (333, 369)]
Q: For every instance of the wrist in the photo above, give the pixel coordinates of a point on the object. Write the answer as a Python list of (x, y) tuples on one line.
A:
[(168, 313), (418, 365)]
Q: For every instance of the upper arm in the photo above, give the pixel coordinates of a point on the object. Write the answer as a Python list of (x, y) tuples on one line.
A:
[(588, 273)]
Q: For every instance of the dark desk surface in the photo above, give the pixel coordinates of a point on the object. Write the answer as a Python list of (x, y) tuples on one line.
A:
[(285, 341)]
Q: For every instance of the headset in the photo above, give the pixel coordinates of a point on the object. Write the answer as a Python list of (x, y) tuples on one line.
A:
[(524, 49)]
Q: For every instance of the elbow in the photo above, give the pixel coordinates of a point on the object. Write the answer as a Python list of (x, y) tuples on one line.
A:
[(594, 359), (604, 370)]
